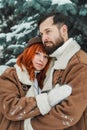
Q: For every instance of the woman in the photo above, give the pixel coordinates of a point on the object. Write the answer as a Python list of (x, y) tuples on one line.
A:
[(21, 85)]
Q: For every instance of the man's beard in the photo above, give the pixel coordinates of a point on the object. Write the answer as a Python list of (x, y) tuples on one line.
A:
[(51, 49)]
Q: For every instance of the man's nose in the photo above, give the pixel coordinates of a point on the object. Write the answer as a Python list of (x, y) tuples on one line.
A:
[(44, 38)]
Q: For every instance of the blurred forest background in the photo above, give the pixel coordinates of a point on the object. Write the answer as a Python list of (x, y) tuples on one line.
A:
[(18, 23)]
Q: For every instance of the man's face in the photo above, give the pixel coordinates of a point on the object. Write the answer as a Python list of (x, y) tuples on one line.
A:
[(51, 35)]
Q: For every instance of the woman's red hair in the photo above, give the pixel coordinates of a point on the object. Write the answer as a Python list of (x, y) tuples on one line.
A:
[(26, 59)]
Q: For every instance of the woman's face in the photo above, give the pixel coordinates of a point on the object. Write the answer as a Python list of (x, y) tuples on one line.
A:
[(40, 60)]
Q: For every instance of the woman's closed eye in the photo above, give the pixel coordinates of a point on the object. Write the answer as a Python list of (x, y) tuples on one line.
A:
[(37, 53)]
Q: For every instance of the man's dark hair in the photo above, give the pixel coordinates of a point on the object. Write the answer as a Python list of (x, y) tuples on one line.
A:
[(58, 19)]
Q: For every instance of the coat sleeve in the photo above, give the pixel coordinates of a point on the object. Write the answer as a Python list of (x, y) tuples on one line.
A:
[(13, 103), (69, 111)]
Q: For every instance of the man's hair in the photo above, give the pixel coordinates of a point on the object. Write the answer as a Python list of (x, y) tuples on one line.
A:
[(58, 19)]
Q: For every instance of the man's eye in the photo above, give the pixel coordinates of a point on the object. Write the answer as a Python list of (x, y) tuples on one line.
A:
[(40, 35), (48, 31)]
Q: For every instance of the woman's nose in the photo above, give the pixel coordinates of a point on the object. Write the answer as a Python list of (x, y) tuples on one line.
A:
[(41, 58)]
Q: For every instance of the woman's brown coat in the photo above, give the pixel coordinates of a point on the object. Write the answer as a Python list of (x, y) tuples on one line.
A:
[(14, 106)]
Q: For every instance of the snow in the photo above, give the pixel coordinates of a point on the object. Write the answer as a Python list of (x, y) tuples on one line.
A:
[(60, 2), (1, 49), (9, 36), (29, 0), (19, 30), (3, 68), (2, 35), (11, 61), (22, 26), (15, 46)]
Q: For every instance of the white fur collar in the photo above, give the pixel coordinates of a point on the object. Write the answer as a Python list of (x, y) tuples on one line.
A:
[(23, 76), (64, 53), (59, 51)]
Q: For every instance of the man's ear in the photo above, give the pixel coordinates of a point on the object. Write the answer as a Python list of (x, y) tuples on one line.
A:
[(64, 32), (64, 29)]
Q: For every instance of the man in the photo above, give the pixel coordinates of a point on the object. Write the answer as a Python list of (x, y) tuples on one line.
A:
[(70, 67)]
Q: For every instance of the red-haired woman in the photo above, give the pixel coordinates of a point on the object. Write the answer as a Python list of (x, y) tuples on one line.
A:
[(22, 91)]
